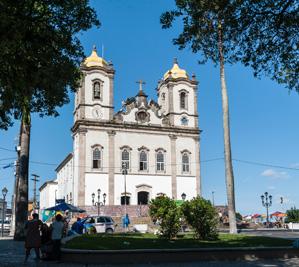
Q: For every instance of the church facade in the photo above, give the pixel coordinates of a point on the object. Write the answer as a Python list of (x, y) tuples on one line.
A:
[(145, 149)]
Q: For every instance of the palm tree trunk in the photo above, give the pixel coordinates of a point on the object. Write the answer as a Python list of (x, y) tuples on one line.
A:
[(229, 174), (21, 211)]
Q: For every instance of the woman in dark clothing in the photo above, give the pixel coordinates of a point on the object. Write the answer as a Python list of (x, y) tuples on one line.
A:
[(46, 243), (33, 238)]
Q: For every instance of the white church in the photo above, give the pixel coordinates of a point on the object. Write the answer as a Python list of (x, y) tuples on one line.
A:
[(157, 142)]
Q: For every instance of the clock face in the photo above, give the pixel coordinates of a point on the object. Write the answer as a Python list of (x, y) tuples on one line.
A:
[(97, 113)]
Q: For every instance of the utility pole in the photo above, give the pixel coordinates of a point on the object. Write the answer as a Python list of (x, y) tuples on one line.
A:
[(34, 179)]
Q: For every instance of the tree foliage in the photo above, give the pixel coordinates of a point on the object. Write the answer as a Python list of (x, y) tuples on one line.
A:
[(39, 54), (262, 34), (165, 212), (293, 215), (270, 41), (201, 20), (202, 216)]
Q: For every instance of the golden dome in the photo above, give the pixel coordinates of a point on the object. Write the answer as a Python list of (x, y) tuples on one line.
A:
[(175, 72), (94, 60)]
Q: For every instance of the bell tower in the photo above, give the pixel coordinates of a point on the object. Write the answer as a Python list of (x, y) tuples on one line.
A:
[(177, 96), (94, 98)]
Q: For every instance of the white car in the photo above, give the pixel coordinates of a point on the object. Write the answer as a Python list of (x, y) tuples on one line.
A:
[(6, 225), (103, 224)]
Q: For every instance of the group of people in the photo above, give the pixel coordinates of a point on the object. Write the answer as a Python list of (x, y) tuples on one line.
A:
[(44, 239)]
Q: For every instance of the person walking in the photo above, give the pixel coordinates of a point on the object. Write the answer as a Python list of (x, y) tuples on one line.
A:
[(33, 238), (57, 228)]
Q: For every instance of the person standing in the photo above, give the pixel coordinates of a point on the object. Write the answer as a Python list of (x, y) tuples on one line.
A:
[(57, 228), (33, 238)]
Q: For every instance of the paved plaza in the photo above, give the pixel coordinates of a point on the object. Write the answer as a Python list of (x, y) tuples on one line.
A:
[(12, 255)]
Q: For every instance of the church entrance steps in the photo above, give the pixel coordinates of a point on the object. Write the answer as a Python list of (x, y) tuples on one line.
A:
[(118, 210)]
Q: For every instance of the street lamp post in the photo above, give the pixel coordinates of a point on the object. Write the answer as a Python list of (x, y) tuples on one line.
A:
[(267, 202), (104, 198), (125, 172), (4, 192), (213, 202), (98, 203)]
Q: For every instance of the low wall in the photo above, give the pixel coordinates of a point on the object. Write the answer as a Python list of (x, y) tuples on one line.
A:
[(175, 255)]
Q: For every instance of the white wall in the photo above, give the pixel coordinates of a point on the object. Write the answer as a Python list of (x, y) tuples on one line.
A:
[(93, 182), (159, 184), (47, 196), (187, 185)]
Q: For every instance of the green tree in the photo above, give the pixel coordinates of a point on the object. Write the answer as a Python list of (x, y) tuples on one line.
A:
[(39, 58), (164, 210), (202, 216), (212, 29), (239, 216), (293, 215), (270, 42)]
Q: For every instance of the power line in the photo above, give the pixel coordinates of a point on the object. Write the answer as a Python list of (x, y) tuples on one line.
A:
[(202, 161), (266, 165), (6, 149), (7, 159)]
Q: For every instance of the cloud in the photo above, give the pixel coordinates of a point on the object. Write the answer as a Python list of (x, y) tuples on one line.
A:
[(295, 165), (275, 174), (271, 187)]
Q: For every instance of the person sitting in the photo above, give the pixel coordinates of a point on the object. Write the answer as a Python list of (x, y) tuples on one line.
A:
[(77, 227)]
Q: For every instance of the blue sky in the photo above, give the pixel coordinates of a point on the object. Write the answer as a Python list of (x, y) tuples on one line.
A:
[(264, 115)]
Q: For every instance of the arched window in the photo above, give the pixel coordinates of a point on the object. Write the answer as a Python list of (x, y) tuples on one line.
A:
[(125, 159), (97, 90), (96, 158), (185, 163), (143, 161), (184, 121), (163, 96), (160, 162), (183, 100)]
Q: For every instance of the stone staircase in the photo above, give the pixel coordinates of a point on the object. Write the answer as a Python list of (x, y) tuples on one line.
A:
[(118, 210)]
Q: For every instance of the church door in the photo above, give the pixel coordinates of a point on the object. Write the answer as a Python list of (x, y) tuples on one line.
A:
[(125, 200), (143, 197)]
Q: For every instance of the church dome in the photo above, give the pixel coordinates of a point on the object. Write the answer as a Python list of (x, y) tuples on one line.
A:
[(175, 72), (94, 60)]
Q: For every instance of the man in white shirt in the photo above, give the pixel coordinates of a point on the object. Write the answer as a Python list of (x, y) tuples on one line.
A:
[(57, 228)]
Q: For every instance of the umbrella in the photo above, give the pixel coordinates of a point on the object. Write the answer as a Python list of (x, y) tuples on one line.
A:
[(66, 206), (278, 214)]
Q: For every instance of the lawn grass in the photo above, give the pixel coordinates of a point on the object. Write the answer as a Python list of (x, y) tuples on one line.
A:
[(150, 241)]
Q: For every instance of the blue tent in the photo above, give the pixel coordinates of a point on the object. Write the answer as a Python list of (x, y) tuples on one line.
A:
[(66, 206)]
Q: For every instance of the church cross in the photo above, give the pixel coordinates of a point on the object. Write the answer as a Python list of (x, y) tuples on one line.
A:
[(140, 84)]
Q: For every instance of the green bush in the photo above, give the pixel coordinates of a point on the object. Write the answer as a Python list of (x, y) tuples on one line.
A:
[(293, 215), (202, 217), (164, 211)]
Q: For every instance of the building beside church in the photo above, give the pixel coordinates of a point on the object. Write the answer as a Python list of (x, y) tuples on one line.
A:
[(156, 141)]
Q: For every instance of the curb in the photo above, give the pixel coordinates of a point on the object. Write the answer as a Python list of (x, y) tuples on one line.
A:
[(176, 255)]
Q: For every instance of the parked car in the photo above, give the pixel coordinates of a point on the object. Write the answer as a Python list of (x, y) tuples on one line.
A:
[(102, 224), (6, 225)]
